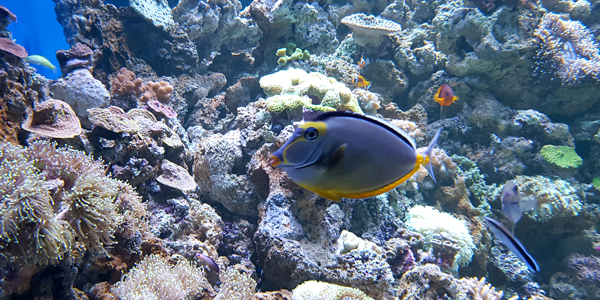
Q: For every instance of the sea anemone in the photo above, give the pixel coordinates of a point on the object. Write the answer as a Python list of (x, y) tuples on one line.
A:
[(569, 48)]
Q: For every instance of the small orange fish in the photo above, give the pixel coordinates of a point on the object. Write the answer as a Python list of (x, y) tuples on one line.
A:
[(360, 81), (362, 63), (445, 95)]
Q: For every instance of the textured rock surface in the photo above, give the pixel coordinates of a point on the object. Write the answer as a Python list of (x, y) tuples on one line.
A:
[(81, 91)]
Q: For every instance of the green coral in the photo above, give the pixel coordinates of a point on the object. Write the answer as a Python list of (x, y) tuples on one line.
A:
[(289, 90), (561, 156), (291, 52), (596, 182)]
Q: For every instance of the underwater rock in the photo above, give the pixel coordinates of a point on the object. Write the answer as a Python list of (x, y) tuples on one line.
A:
[(308, 25), (120, 34), (292, 238), (216, 24), (415, 49), (158, 12), (81, 91), (220, 173), (79, 56), (20, 89)]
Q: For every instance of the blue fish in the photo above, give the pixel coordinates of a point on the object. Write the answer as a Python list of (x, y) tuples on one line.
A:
[(346, 155)]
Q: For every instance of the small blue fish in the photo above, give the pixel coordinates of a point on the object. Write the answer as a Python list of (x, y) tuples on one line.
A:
[(513, 244)]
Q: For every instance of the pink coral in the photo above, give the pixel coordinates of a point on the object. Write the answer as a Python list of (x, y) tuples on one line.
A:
[(7, 45), (161, 108)]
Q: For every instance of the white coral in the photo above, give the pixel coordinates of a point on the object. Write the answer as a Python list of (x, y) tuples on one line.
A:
[(428, 221), (236, 286), (154, 278), (317, 290)]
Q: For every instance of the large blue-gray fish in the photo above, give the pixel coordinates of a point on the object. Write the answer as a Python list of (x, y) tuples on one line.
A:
[(514, 204), (346, 155), (513, 244)]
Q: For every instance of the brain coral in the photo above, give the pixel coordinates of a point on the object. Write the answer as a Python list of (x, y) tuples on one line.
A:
[(288, 90)]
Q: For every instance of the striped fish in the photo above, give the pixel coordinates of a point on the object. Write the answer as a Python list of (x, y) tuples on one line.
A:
[(504, 235)]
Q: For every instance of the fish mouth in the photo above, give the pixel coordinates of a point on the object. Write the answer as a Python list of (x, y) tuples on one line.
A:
[(274, 161)]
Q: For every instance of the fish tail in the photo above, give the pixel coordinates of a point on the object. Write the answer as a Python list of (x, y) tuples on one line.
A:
[(428, 154)]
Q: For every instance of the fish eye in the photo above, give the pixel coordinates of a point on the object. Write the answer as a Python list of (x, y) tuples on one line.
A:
[(311, 133)]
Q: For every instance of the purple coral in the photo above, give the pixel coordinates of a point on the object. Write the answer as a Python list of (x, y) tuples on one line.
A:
[(569, 48), (587, 267)]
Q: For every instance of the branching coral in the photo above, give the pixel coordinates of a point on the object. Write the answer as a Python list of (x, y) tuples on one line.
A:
[(479, 289), (126, 83), (569, 47), (154, 278)]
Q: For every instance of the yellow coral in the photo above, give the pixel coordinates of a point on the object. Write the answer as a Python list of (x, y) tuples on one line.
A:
[(293, 84)]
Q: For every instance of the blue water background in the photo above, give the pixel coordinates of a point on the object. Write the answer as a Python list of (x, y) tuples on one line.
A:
[(37, 30)]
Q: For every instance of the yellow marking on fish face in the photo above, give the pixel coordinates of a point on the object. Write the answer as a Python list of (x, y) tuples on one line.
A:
[(321, 129)]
